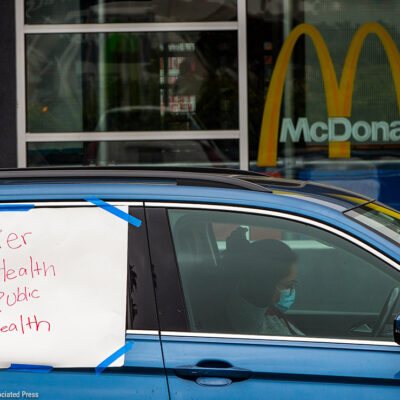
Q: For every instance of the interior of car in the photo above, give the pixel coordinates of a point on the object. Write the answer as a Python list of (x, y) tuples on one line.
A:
[(342, 291)]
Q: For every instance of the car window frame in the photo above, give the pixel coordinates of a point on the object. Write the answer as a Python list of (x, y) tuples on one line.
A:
[(176, 324), (171, 307), (139, 254)]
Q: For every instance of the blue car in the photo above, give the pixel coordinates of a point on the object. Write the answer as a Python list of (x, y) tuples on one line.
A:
[(191, 283)]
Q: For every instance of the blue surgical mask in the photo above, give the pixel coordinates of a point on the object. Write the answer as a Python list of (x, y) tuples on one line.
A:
[(286, 300)]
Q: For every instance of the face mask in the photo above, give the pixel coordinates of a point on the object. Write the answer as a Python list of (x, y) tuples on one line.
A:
[(286, 300)]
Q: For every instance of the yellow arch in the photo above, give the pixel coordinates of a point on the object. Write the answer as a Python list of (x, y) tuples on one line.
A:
[(350, 64), (338, 97)]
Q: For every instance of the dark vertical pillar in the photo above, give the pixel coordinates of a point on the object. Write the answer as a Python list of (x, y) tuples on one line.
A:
[(8, 89)]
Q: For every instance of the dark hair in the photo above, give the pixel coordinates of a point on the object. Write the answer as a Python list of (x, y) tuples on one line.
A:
[(268, 261)]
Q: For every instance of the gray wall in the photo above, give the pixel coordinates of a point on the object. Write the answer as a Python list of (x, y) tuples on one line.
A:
[(8, 129)]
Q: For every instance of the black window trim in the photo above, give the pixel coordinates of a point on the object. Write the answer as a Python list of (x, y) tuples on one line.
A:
[(171, 306)]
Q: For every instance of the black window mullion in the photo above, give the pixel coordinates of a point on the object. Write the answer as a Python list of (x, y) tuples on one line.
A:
[(141, 310), (169, 295)]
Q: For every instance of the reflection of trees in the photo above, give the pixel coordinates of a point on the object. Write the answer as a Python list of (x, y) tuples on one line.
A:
[(132, 70)]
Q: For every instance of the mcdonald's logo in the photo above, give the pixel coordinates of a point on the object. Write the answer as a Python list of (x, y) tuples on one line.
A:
[(338, 96)]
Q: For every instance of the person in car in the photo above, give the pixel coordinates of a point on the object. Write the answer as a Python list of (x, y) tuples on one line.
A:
[(264, 291)]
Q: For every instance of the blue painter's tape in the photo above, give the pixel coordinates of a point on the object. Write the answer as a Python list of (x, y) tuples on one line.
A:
[(114, 210), (30, 368), (109, 360), (16, 207)]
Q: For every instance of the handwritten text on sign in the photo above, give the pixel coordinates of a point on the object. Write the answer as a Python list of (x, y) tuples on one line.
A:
[(62, 286), (32, 269)]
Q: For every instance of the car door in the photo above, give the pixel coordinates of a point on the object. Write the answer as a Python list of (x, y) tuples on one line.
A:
[(142, 374), (220, 339)]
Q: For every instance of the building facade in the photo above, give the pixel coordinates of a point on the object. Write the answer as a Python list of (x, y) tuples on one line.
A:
[(305, 89)]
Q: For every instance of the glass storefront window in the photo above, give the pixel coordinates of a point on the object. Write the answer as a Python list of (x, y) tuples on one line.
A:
[(322, 92), (132, 81), (323, 83), (204, 153), (113, 11)]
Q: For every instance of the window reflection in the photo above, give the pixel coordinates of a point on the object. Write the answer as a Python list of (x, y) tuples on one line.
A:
[(132, 81), (264, 276), (205, 153), (358, 152), (117, 11)]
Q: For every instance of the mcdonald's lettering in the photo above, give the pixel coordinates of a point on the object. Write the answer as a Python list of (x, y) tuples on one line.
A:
[(339, 130), (338, 96)]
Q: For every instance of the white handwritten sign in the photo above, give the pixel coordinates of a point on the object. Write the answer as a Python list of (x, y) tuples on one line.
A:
[(62, 286)]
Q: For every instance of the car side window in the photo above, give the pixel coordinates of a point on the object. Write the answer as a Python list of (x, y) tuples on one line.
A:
[(262, 275)]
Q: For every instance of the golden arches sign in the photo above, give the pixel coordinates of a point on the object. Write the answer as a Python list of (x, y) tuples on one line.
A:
[(338, 96)]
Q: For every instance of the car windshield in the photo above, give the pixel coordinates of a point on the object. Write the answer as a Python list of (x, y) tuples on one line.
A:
[(378, 217)]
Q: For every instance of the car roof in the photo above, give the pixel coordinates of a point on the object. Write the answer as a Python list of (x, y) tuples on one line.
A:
[(311, 192), (158, 186)]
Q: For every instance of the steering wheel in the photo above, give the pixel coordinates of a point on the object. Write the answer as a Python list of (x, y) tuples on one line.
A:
[(387, 310)]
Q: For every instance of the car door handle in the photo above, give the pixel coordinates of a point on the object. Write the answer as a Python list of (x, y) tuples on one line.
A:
[(212, 369)]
